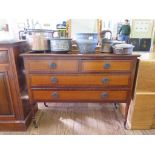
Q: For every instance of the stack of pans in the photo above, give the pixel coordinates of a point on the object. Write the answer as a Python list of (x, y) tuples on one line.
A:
[(123, 49)]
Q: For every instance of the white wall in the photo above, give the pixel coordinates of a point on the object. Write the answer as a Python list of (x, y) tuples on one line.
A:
[(15, 25)]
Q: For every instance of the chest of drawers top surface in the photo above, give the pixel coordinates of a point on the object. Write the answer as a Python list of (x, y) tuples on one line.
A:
[(76, 55)]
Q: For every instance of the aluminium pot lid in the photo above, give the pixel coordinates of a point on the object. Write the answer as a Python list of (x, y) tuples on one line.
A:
[(123, 46)]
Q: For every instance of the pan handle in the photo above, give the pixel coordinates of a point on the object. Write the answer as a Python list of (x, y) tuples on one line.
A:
[(55, 32)]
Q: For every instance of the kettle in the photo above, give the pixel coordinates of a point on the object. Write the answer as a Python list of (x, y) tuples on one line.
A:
[(106, 45)]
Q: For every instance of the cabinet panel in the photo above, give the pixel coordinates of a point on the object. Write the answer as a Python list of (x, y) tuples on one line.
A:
[(146, 77), (5, 96), (4, 56)]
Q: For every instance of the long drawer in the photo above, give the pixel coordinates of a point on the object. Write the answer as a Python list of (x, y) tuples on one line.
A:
[(62, 95), (103, 80), (106, 65), (53, 65)]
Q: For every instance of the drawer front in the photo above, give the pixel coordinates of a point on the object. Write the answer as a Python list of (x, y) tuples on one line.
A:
[(53, 65), (43, 95), (106, 65), (81, 80)]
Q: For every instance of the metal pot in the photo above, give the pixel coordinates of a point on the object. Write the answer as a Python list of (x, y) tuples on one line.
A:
[(39, 42), (106, 46), (106, 42), (123, 49), (115, 42), (60, 45), (38, 39)]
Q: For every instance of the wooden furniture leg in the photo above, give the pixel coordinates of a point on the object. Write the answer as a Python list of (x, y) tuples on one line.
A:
[(126, 114), (33, 115), (45, 104), (116, 105)]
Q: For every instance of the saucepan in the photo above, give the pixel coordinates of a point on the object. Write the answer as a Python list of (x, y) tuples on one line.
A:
[(59, 44), (123, 48)]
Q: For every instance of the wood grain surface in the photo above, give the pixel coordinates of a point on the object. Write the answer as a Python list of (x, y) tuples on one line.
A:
[(83, 80), (78, 96), (142, 109), (60, 65), (99, 65), (79, 119)]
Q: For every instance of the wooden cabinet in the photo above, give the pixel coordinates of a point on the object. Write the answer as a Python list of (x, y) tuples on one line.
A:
[(142, 108), (15, 111), (104, 78), (5, 95)]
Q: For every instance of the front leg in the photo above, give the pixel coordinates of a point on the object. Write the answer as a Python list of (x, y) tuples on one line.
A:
[(33, 115), (45, 104), (116, 105), (126, 114)]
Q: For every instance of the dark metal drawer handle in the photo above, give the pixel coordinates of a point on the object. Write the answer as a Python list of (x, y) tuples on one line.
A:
[(54, 80), (104, 95), (105, 80), (106, 66), (53, 65), (55, 95)]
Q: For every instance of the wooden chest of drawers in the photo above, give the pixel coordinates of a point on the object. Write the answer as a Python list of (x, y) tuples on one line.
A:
[(105, 78)]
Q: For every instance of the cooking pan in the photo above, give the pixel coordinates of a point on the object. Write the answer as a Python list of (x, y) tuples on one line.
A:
[(60, 45)]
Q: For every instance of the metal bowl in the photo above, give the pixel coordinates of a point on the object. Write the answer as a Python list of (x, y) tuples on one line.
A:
[(86, 42), (86, 46)]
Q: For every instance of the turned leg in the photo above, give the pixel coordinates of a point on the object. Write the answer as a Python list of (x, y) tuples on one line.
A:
[(35, 123), (116, 105), (126, 114), (33, 116), (45, 104)]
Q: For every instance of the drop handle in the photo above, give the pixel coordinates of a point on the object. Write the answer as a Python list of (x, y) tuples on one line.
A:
[(104, 95), (53, 65), (106, 66), (55, 95), (54, 80), (105, 80)]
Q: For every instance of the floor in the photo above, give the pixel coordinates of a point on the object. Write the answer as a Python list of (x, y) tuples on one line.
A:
[(79, 119)]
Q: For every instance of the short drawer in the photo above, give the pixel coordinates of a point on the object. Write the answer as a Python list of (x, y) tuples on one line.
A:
[(53, 65), (103, 80), (106, 65), (74, 95)]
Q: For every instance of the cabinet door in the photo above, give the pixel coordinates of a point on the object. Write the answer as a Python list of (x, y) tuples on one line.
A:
[(6, 104), (5, 95)]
